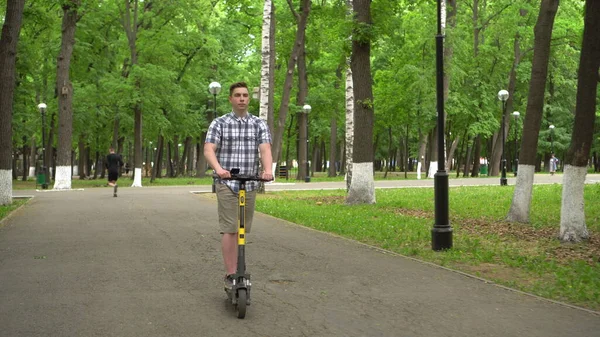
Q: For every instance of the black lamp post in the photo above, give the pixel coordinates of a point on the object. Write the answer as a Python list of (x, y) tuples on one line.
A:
[(516, 115), (503, 96), (42, 107), (441, 234), (306, 109), (214, 88), (551, 127)]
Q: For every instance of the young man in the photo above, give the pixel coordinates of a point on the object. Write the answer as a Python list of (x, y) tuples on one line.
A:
[(113, 163), (234, 141)]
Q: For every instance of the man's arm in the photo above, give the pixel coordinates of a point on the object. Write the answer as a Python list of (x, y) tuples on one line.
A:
[(267, 160), (210, 153)]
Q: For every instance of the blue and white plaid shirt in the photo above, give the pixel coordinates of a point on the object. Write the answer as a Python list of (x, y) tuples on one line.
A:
[(237, 141)]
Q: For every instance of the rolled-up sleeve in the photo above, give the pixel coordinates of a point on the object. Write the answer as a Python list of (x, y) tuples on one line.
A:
[(213, 135), (264, 135)]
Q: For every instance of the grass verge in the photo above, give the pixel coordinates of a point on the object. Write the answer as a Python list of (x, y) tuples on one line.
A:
[(527, 257), (5, 210)]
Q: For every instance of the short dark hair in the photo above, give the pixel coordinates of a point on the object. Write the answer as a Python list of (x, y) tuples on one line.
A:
[(237, 85)]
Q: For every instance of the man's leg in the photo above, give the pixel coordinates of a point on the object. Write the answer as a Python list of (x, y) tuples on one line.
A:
[(229, 250)]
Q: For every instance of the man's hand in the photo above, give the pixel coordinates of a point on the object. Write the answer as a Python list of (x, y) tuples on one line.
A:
[(223, 173), (267, 176)]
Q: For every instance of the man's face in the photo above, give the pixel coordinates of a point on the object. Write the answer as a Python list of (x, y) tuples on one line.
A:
[(239, 100)]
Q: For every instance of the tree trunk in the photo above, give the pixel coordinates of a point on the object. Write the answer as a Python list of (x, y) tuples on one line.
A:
[(8, 52), (362, 186), (302, 19), (521, 202), (64, 90), (572, 216), (267, 70), (303, 118), (131, 26), (32, 158), (476, 157), (332, 147)]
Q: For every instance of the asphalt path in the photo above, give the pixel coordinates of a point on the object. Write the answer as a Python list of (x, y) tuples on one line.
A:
[(148, 263)]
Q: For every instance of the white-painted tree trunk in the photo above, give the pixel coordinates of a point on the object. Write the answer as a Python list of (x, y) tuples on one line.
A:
[(5, 187), (362, 186), (419, 170), (433, 167), (521, 201), (31, 171), (349, 108), (137, 181), (572, 213), (63, 178), (265, 63)]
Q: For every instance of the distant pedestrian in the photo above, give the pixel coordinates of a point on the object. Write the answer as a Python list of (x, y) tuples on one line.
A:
[(113, 163), (553, 164)]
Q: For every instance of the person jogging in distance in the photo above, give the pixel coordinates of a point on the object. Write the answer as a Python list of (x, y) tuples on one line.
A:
[(113, 163)]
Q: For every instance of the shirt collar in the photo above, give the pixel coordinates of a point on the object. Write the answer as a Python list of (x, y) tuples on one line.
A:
[(240, 119)]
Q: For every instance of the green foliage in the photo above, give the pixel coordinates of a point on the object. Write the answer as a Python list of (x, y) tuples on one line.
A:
[(183, 46)]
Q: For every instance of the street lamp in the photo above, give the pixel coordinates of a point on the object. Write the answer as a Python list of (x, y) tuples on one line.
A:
[(503, 96), (551, 138), (306, 109), (214, 88), (441, 234), (42, 107), (516, 115)]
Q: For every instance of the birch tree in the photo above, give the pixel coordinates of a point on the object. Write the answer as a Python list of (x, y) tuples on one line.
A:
[(572, 216), (349, 111), (362, 186)]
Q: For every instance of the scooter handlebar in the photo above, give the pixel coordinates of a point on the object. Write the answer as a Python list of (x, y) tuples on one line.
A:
[(242, 177)]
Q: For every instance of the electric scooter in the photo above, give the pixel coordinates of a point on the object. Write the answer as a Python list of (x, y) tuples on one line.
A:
[(239, 295)]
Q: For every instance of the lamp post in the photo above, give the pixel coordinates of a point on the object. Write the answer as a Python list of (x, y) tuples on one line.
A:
[(516, 115), (441, 234), (214, 88), (503, 96), (42, 107), (551, 127), (306, 109)]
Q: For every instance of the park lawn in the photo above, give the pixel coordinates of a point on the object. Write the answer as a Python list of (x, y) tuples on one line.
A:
[(523, 256), (5, 210)]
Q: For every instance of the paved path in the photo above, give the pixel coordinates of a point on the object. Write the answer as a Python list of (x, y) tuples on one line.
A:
[(82, 263)]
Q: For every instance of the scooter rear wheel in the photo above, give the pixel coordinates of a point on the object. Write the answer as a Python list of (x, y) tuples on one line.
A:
[(242, 298)]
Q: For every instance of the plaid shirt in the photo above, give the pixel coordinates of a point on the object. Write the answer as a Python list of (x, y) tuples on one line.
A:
[(237, 141)]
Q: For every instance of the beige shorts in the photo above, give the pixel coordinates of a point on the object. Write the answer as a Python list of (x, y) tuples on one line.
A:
[(228, 209)]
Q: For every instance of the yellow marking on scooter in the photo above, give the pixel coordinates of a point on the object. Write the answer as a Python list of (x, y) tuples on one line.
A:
[(241, 236)]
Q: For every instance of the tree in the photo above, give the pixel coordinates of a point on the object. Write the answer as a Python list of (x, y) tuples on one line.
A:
[(362, 187), (301, 19), (521, 202), (8, 53), (64, 90), (572, 217)]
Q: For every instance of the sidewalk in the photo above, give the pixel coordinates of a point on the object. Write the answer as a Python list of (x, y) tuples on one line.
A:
[(148, 263)]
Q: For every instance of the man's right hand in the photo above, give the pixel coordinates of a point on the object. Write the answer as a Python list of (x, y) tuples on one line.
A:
[(223, 173)]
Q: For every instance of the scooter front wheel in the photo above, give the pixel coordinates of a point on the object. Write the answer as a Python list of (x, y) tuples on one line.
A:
[(242, 298)]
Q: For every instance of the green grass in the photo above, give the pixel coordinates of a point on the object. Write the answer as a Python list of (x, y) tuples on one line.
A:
[(7, 209), (524, 256)]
